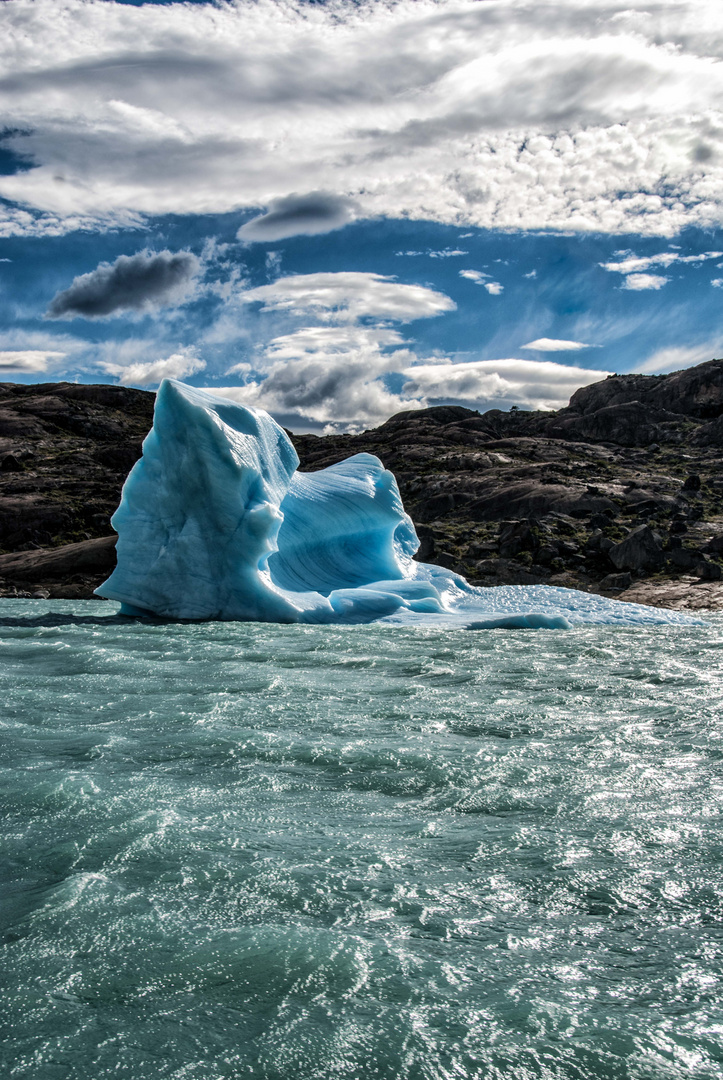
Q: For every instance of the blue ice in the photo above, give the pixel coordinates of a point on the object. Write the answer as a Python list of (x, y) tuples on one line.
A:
[(216, 523)]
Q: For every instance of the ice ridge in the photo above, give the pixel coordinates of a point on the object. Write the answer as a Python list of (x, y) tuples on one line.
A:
[(216, 523)]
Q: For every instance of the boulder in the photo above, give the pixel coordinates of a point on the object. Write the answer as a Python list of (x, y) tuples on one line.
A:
[(615, 582), (683, 558), (518, 536), (626, 424), (11, 464), (715, 545), (87, 557), (533, 499), (642, 549)]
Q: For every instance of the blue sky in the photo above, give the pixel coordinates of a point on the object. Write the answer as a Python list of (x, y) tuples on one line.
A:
[(339, 211)]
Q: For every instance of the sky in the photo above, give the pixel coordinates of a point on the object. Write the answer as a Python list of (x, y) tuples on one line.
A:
[(339, 210)]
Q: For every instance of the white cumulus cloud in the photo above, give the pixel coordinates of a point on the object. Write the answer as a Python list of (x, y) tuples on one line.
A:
[(177, 366), (638, 282)]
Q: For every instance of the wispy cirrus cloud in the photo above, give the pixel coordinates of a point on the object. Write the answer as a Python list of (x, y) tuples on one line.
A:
[(677, 357), (569, 115)]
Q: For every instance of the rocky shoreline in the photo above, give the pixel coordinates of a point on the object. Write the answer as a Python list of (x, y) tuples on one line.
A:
[(621, 493)]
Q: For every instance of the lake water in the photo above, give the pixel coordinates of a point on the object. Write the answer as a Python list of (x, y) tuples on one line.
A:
[(246, 850)]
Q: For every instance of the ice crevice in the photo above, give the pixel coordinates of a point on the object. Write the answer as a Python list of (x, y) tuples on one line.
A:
[(215, 522)]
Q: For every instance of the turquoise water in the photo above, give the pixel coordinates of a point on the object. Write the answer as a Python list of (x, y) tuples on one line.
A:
[(245, 850)]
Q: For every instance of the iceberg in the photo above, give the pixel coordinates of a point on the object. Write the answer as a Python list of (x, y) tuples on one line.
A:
[(215, 522)]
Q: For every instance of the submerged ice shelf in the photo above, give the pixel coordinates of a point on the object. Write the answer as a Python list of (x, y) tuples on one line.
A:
[(215, 523)]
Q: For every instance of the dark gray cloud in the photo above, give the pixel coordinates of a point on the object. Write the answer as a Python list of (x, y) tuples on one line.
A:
[(137, 282), (300, 215)]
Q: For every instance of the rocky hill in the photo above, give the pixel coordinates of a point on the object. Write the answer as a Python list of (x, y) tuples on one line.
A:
[(620, 492)]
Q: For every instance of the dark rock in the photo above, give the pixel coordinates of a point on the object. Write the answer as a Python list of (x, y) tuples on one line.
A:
[(533, 499), (546, 554), (709, 434), (615, 582), (11, 464), (715, 545), (516, 537), (627, 424), (709, 571), (695, 392), (447, 560), (683, 558), (678, 527), (426, 548), (593, 541), (692, 483), (86, 557), (438, 506), (642, 549), (601, 521)]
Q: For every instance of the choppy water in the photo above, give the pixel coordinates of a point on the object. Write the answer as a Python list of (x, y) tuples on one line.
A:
[(237, 850)]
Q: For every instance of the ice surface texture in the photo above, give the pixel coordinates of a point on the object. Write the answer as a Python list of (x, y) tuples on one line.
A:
[(215, 523)]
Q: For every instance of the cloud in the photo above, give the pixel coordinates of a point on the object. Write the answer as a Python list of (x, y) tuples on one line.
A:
[(140, 282), (636, 282), (485, 384), (575, 115), (493, 287), (332, 362), (717, 282), (474, 275), (178, 366), (349, 296), (322, 373), (677, 357), (299, 215), (545, 344), (446, 253), (29, 360), (346, 364), (633, 264)]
